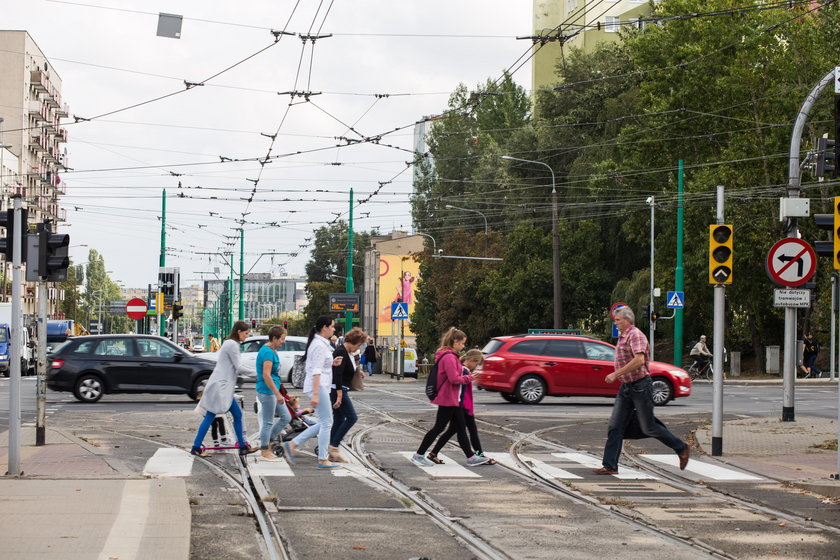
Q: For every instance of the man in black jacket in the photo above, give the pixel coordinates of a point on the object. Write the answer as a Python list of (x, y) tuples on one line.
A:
[(809, 356)]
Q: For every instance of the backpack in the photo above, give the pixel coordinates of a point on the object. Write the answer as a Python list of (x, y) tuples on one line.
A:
[(432, 385)]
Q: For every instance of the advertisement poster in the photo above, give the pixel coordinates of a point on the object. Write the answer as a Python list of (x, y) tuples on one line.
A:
[(398, 276)]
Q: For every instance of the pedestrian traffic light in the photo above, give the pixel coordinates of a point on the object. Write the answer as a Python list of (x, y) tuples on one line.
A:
[(53, 251), (177, 311), (253, 324), (830, 222), (645, 312), (7, 220), (826, 157), (286, 325), (720, 254)]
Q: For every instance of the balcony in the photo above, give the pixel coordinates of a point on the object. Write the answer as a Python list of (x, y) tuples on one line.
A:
[(62, 135), (51, 155), (39, 81), (37, 110), (38, 141), (53, 99), (62, 111)]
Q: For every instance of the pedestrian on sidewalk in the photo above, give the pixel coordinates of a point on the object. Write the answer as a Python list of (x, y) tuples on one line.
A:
[(471, 360), (344, 414), (269, 392), (370, 356), (451, 385), (809, 356), (213, 346), (632, 355), (319, 361), (218, 396)]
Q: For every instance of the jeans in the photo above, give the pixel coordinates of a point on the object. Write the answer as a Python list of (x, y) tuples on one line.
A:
[(322, 428), (469, 420), (236, 412), (369, 367), (343, 417), (637, 395), (809, 363), (269, 408), (445, 415)]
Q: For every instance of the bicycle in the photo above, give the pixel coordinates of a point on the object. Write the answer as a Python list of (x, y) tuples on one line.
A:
[(704, 372)]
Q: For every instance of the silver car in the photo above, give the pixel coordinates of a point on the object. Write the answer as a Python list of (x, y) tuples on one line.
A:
[(247, 372)]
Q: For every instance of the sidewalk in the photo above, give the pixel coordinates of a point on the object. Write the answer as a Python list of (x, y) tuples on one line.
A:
[(73, 502), (784, 451)]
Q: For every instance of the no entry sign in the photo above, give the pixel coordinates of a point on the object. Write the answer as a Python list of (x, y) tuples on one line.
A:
[(791, 262), (136, 308)]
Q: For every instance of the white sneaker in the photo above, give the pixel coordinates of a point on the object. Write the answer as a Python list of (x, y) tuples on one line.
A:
[(226, 441), (476, 460), (421, 461), (216, 443)]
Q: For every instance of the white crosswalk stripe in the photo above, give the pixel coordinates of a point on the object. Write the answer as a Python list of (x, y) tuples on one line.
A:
[(705, 470), (169, 462), (548, 471), (449, 469), (260, 467), (592, 462)]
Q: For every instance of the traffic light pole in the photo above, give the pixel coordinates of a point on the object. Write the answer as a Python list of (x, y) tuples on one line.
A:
[(652, 322), (41, 383), (717, 352), (16, 338)]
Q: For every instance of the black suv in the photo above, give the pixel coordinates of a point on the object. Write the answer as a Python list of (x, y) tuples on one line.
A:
[(91, 366)]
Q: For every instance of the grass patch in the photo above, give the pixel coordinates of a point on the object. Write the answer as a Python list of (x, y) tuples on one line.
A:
[(828, 445)]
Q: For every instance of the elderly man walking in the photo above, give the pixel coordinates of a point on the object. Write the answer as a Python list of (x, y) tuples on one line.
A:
[(632, 355)]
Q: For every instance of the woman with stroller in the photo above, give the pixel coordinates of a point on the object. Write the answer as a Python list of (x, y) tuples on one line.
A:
[(319, 361), (449, 398), (344, 415), (272, 401), (218, 395)]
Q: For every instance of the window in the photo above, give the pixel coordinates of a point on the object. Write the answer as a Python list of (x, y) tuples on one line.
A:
[(292, 346), (84, 347), (612, 24), (492, 346), (151, 348), (253, 346), (3, 331), (114, 347), (595, 351), (562, 348), (533, 347)]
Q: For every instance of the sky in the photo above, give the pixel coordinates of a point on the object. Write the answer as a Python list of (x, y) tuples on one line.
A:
[(386, 65)]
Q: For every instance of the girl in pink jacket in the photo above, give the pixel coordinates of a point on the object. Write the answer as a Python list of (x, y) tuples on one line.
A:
[(450, 395)]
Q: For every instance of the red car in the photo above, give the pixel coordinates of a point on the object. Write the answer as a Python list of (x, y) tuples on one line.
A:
[(525, 368)]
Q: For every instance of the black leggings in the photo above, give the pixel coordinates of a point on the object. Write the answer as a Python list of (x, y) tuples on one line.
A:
[(448, 415), (218, 427), (469, 420)]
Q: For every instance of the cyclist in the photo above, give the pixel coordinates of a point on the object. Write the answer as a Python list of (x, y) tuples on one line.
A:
[(701, 353)]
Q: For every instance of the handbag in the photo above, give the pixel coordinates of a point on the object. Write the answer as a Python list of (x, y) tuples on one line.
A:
[(357, 384), (298, 372)]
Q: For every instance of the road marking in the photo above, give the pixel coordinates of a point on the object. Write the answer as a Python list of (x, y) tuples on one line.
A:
[(449, 469), (593, 463), (261, 467), (548, 471), (168, 461), (127, 531), (705, 470)]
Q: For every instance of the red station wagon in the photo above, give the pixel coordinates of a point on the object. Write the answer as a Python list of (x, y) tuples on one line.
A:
[(526, 368)]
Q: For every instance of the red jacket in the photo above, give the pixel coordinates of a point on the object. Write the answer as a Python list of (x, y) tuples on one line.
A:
[(449, 378)]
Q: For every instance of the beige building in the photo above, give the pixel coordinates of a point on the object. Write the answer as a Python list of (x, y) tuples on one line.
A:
[(31, 108), (583, 24)]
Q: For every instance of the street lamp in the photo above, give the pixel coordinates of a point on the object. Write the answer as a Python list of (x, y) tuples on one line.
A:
[(555, 243), (480, 214)]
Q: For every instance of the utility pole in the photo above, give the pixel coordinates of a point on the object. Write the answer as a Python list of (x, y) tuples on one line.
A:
[(348, 316), (652, 322), (679, 272), (18, 229), (242, 273), (717, 351), (161, 322)]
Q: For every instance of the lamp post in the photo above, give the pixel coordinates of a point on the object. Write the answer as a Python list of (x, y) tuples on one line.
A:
[(555, 243), (480, 214)]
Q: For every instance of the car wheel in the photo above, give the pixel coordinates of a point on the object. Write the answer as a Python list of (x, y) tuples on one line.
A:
[(662, 391), (510, 397), (89, 388), (198, 387), (530, 389)]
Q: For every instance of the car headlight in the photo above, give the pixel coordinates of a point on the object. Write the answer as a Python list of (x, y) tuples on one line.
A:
[(678, 373), (4, 356)]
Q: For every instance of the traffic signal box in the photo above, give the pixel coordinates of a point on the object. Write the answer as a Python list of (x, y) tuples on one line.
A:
[(177, 311), (826, 157), (720, 254), (7, 221), (53, 254), (830, 222)]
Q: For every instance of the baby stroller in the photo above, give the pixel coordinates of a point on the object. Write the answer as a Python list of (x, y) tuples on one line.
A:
[(296, 425)]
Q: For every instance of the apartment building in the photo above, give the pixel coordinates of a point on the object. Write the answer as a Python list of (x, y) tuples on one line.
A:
[(31, 107)]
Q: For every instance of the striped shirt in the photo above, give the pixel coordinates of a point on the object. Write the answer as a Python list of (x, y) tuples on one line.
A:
[(632, 342)]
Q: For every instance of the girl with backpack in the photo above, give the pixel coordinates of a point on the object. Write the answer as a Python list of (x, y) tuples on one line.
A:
[(450, 394)]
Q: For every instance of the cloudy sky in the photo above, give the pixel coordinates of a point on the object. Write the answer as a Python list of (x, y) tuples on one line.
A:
[(387, 64)]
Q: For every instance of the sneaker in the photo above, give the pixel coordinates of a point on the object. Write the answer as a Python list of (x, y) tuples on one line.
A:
[(476, 460), (421, 461), (216, 443), (227, 441)]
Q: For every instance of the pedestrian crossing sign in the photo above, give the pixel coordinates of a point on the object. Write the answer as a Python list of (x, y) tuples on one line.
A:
[(399, 310), (676, 300)]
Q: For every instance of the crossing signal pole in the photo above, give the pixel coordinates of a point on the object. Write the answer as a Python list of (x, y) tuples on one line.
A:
[(720, 274)]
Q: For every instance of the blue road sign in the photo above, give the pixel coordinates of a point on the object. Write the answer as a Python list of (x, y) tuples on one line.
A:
[(399, 310), (614, 331), (676, 300)]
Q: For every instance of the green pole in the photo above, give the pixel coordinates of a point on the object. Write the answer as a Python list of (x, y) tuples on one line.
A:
[(241, 274), (348, 316), (161, 324), (230, 293), (679, 273)]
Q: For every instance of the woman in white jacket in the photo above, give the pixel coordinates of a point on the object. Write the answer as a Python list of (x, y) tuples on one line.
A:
[(218, 395)]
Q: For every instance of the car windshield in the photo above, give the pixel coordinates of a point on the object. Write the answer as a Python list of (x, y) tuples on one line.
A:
[(491, 347), (3, 337)]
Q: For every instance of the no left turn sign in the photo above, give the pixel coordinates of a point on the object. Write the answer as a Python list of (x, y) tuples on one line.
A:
[(791, 262)]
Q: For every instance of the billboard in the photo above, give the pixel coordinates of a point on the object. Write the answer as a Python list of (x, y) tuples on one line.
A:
[(398, 276)]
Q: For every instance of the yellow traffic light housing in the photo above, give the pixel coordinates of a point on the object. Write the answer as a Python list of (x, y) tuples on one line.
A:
[(720, 253)]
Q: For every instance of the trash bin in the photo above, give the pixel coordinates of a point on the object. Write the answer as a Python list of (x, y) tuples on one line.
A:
[(772, 359)]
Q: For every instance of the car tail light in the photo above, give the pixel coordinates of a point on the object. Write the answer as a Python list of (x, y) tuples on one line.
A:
[(56, 364)]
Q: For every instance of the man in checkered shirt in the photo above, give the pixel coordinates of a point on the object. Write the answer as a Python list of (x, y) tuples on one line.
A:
[(632, 354)]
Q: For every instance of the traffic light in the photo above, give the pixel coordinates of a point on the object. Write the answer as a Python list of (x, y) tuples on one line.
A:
[(177, 311), (53, 250), (830, 222), (7, 220), (286, 325), (654, 316), (645, 312), (826, 157), (253, 324), (720, 254)]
